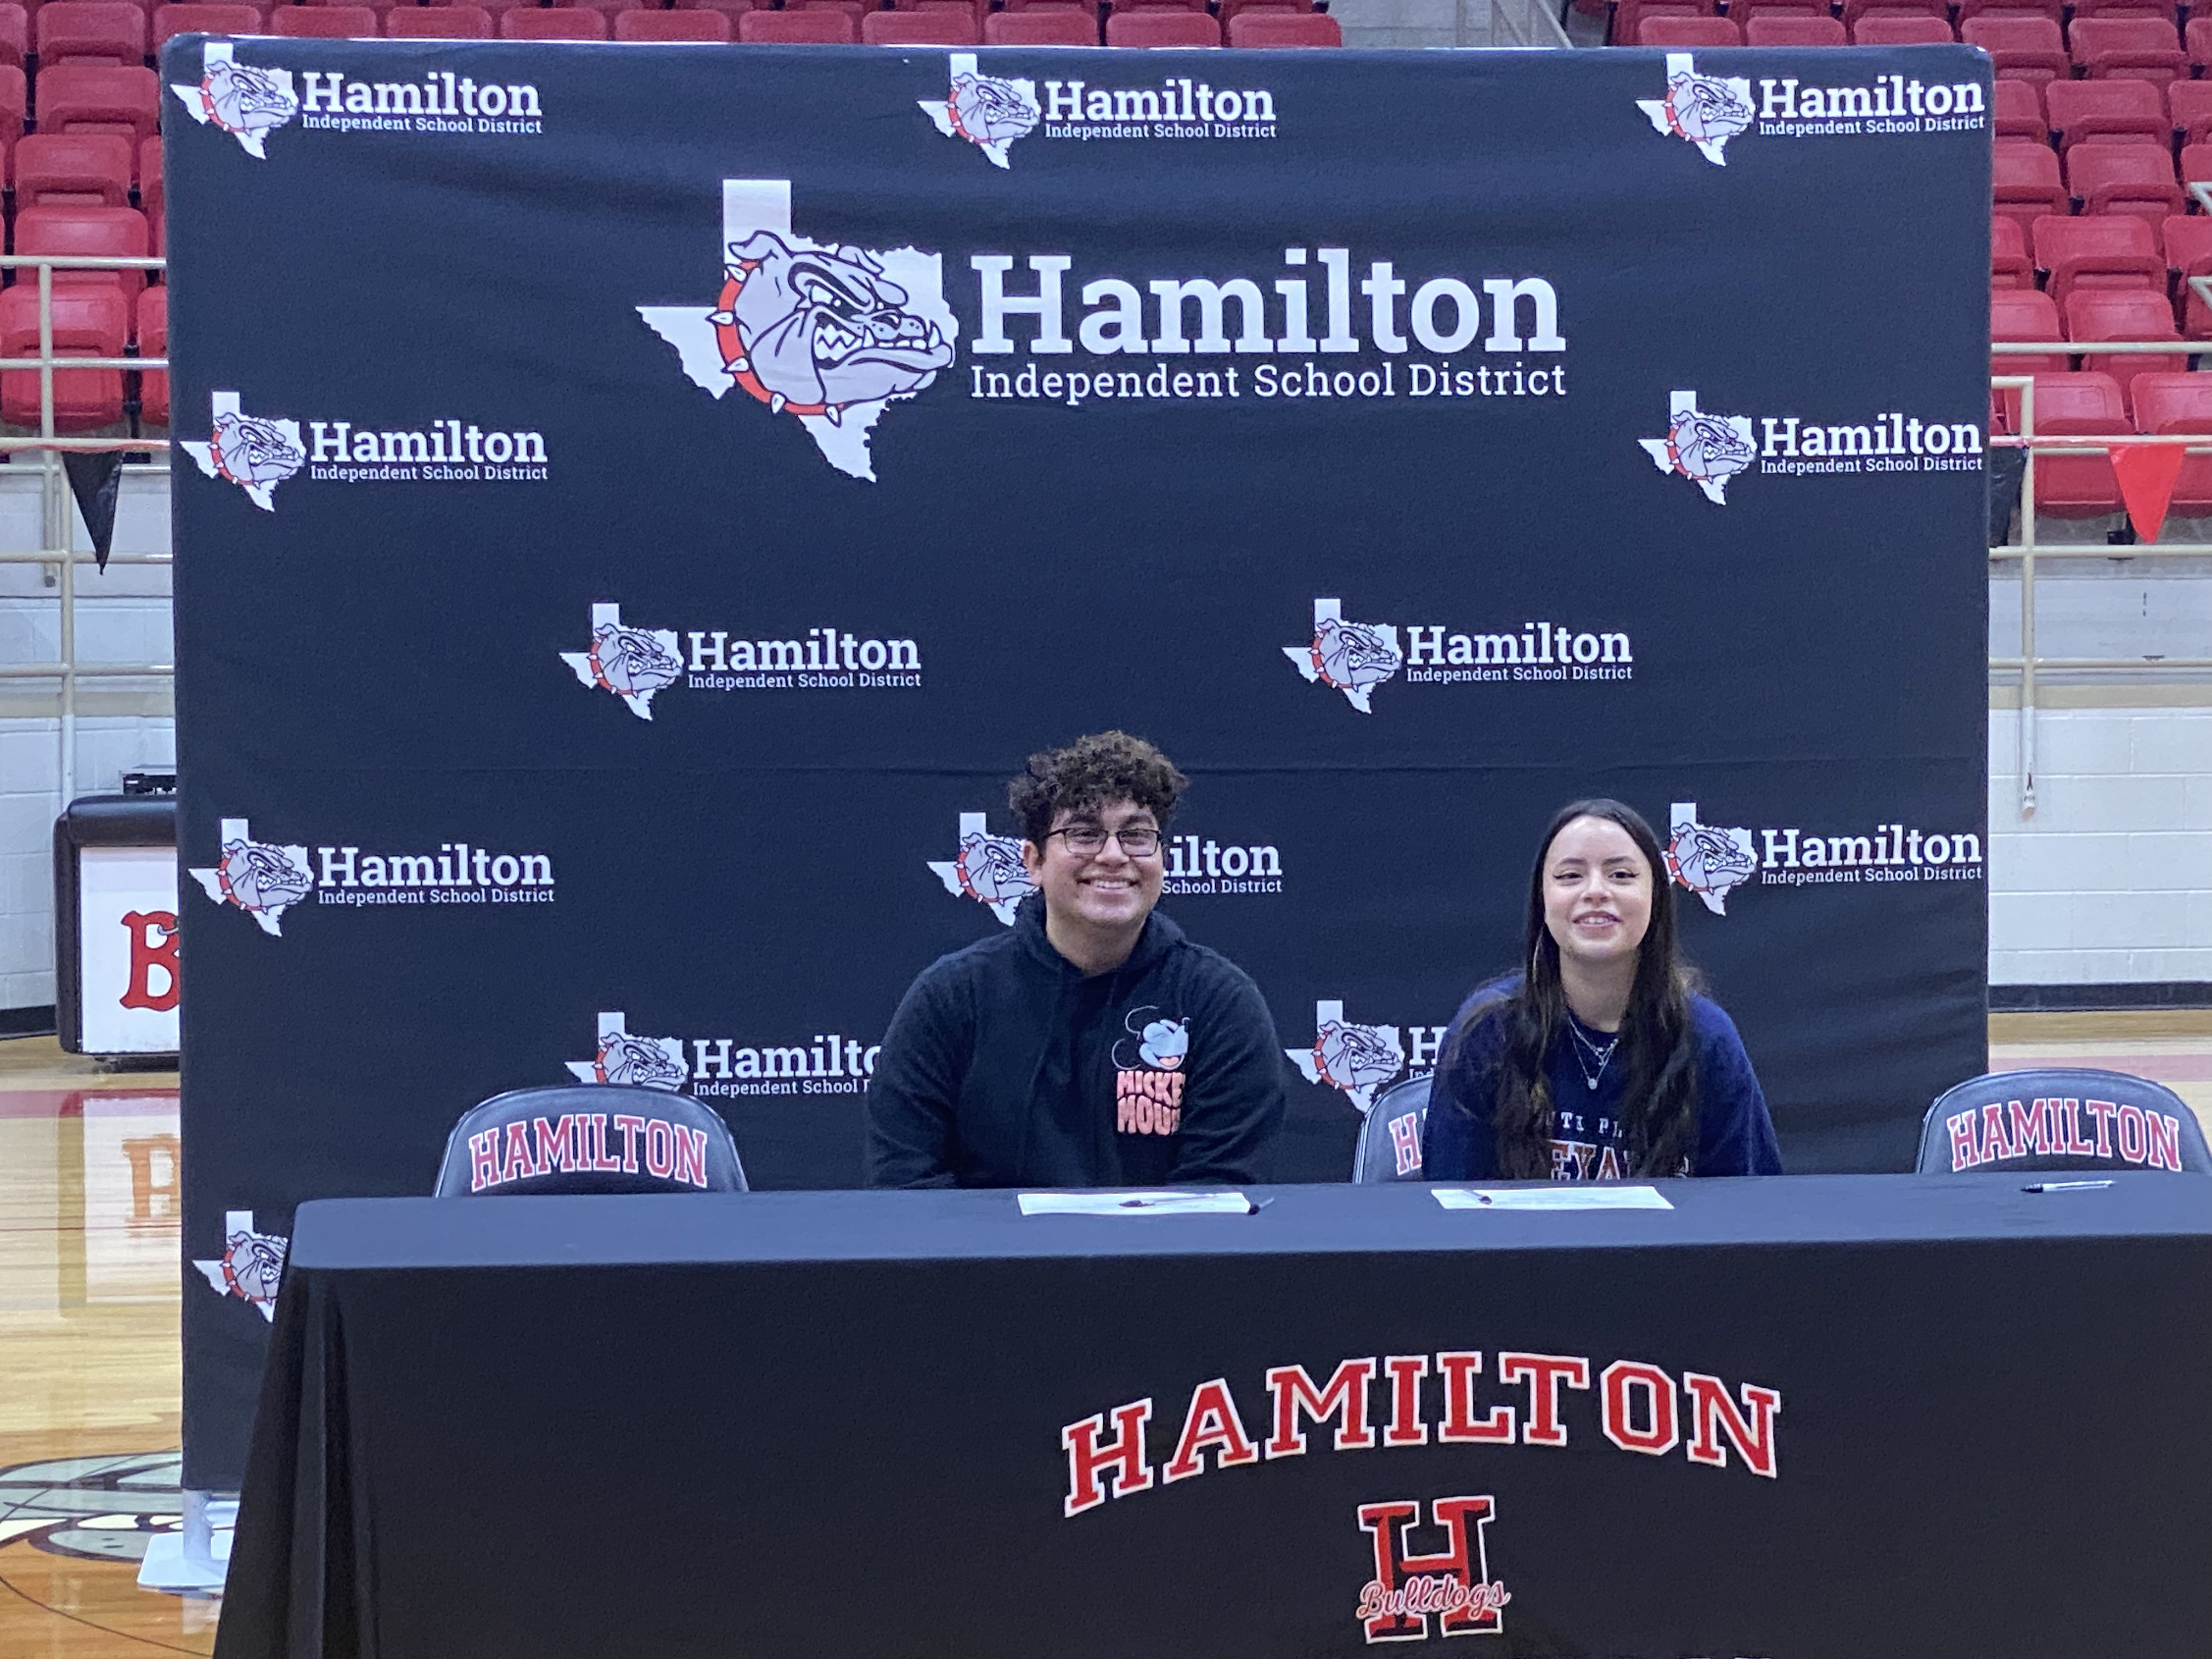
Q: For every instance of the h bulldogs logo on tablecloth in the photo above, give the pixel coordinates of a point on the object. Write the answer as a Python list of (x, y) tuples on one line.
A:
[(252, 1263), (245, 101), (1453, 1586), (829, 334), (988, 112), (1706, 110)]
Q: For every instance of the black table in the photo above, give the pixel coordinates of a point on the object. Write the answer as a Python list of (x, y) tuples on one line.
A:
[(1819, 1418)]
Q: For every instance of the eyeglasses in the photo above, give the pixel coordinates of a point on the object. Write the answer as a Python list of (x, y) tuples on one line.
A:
[(1089, 841)]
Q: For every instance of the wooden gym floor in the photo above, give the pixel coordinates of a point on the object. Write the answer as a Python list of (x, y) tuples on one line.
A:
[(88, 1287)]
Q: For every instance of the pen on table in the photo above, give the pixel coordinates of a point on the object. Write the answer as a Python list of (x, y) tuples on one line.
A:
[(2064, 1186)]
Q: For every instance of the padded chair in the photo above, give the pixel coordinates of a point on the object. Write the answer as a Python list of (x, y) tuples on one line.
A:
[(1886, 29), (15, 34), (2106, 110), (2166, 404), (2125, 177), (574, 1138), (2077, 405), (2009, 265), (2029, 47), (2197, 42), (154, 342), (95, 232), (2189, 103), (1854, 11), (1390, 1138), (438, 23), (2023, 314), (2027, 184), (73, 170), (1266, 30), (90, 32), (674, 26), (326, 23), (1696, 34), (552, 23), (919, 29), (2060, 1119), (2139, 48), (2123, 9), (2050, 9), (1793, 29), (2106, 314), (15, 99), (2016, 110), (2114, 250), (99, 98), (89, 321), (201, 19), (2188, 243), (151, 197), (1162, 29), (1046, 26), (833, 28)]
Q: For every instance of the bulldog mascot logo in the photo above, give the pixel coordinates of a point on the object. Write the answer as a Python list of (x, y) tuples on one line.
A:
[(1711, 862), (251, 1265), (831, 335), (1352, 657), (643, 1062), (1706, 110), (247, 102), (987, 868), (632, 663), (253, 451), (988, 113), (261, 878), (1706, 449), (1360, 1060)]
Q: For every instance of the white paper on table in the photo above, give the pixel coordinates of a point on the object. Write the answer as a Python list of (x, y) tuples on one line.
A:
[(1135, 1204), (1566, 1196)]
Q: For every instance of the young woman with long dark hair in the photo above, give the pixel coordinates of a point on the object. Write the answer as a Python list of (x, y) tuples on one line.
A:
[(1600, 1060)]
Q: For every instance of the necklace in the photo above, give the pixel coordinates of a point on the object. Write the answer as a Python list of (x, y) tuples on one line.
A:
[(1602, 1054)]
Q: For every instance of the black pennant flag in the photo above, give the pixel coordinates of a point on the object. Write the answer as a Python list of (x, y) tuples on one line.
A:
[(94, 477)]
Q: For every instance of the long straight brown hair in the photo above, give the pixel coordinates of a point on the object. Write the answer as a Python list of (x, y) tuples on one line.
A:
[(1658, 1048)]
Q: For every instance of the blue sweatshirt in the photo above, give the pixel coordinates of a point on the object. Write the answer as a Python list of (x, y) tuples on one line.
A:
[(1735, 1136)]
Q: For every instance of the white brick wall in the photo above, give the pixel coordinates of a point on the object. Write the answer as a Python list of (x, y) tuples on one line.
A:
[(2110, 880)]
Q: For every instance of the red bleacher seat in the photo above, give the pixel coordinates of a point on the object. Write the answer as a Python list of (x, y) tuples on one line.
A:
[(2030, 47), (15, 34), (552, 23), (2024, 314), (2070, 405), (2196, 38), (204, 17), (2016, 109), (2123, 9), (733, 9), (87, 322), (1972, 9), (73, 170), (1225, 11), (151, 198), (919, 29), (2106, 251), (438, 23), (2190, 105), (1793, 29), (1856, 10), (98, 98), (2125, 177), (2141, 48), (852, 8), (673, 25), (91, 32), (2179, 403), (13, 101), (2189, 254), (1046, 25), (105, 232), (1629, 15), (2027, 183), (2116, 314), (1885, 30), (1697, 33), (2103, 110), (154, 342), (326, 23), (1270, 29), (2009, 265), (799, 27), (1162, 29)]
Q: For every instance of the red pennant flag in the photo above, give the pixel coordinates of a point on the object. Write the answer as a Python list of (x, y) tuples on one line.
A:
[(2147, 473)]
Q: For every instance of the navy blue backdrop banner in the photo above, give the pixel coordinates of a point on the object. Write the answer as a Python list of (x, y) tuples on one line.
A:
[(637, 504)]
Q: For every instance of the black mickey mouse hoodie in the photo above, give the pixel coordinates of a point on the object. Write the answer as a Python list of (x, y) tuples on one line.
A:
[(1005, 1066)]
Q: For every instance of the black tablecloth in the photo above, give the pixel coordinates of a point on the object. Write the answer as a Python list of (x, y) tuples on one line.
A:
[(1961, 1419)]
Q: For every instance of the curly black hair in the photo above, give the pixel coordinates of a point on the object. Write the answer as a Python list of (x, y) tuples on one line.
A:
[(1106, 766)]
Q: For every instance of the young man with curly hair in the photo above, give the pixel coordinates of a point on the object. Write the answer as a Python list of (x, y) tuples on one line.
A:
[(1091, 1044)]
